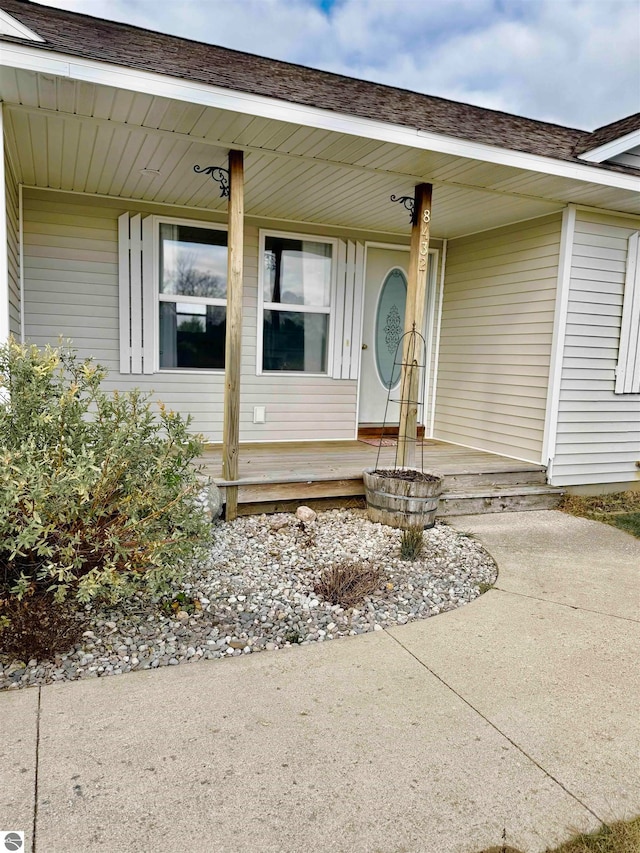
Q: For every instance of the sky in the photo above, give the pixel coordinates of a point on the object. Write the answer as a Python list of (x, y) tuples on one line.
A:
[(573, 62)]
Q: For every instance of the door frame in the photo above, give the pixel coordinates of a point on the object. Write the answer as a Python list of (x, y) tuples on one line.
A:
[(429, 329)]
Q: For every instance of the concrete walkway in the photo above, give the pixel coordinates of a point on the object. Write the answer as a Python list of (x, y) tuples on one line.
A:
[(518, 712)]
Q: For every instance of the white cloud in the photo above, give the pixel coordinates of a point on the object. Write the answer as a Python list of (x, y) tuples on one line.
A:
[(576, 62)]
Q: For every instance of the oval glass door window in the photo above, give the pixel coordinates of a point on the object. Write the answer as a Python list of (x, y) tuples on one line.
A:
[(390, 326)]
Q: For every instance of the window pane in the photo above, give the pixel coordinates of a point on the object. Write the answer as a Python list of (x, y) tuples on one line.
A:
[(295, 341), (389, 327), (193, 261), (192, 335), (297, 272)]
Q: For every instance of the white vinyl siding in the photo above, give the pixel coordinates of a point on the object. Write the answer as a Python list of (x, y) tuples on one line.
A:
[(495, 338), (598, 433), (13, 248), (71, 289)]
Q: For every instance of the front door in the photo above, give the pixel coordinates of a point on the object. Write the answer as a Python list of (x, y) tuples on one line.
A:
[(385, 298)]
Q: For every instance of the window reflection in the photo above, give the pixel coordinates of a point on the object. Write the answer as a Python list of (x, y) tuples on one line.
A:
[(295, 341), (297, 272), (193, 261), (192, 335)]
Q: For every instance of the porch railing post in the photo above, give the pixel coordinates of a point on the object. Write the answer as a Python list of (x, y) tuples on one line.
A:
[(413, 319), (233, 337)]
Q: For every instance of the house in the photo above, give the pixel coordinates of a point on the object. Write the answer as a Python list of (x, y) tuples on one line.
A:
[(121, 234)]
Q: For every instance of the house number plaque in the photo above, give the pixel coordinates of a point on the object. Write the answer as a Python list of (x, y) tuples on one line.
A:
[(424, 240)]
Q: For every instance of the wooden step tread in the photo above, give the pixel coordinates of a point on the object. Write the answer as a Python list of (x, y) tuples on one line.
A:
[(511, 491), (524, 501)]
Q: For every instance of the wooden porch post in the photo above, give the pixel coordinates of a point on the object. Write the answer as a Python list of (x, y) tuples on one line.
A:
[(413, 318), (233, 339)]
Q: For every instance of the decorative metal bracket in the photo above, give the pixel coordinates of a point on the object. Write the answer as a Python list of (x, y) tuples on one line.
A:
[(409, 202), (219, 175)]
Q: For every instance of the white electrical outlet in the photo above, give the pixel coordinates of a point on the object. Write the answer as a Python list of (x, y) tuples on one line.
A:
[(259, 414)]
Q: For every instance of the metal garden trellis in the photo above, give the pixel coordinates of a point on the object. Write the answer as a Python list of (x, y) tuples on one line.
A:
[(411, 353), (405, 496)]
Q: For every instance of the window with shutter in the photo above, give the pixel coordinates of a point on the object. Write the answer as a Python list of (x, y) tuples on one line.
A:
[(310, 305), (172, 294)]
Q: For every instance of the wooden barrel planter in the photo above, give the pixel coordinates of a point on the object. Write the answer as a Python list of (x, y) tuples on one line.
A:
[(402, 497)]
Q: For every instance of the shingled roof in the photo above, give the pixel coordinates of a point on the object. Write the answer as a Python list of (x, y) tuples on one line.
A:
[(133, 47), (608, 133)]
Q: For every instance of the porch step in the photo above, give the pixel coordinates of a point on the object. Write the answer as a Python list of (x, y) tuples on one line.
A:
[(278, 477), (316, 486), (479, 481), (463, 494), (517, 498)]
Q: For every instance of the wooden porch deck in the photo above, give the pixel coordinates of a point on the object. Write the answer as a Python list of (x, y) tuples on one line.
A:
[(272, 477)]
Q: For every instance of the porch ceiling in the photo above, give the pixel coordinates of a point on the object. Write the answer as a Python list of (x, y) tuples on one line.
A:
[(82, 137)]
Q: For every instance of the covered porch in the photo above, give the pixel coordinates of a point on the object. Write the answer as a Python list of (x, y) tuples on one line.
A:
[(277, 477), (100, 170)]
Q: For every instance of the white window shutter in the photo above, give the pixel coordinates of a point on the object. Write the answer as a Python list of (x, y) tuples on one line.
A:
[(149, 307), (124, 298), (348, 310), (338, 311), (136, 293), (628, 369), (135, 278)]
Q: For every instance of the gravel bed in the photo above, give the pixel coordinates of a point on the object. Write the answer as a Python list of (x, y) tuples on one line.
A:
[(256, 593)]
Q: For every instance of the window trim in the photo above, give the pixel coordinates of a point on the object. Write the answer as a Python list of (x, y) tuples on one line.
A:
[(162, 297), (405, 275), (302, 309)]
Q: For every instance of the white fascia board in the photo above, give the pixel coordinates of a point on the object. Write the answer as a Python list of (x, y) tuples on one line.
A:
[(613, 148), (204, 94), (9, 26)]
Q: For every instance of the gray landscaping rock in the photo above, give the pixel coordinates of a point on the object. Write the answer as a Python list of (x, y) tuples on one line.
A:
[(210, 499), (257, 593)]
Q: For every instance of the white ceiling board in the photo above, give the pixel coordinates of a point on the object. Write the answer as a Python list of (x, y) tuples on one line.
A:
[(28, 89), (628, 206), (78, 154), (310, 148), (84, 98), (104, 101), (65, 95), (134, 131), (86, 155), (155, 111), (9, 85), (70, 147), (15, 126), (132, 160), (47, 91)]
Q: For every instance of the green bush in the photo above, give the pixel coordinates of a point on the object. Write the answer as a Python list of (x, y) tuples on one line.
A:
[(98, 493)]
